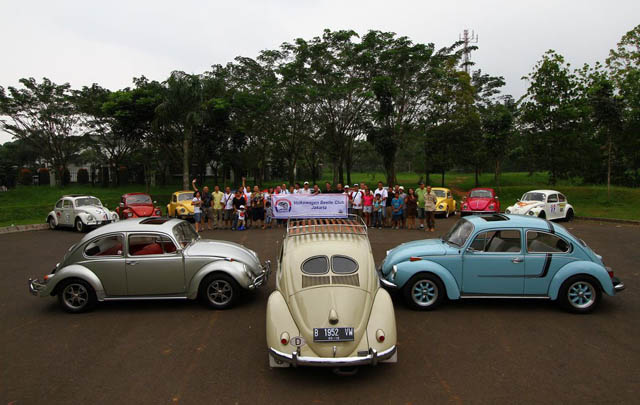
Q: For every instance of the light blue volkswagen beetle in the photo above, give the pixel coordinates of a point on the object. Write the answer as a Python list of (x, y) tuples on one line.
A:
[(500, 256)]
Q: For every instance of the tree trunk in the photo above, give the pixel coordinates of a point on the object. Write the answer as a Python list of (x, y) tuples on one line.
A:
[(497, 174), (609, 171), (185, 160), (477, 182)]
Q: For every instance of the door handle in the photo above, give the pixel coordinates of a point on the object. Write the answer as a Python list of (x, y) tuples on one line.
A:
[(132, 262), (516, 260)]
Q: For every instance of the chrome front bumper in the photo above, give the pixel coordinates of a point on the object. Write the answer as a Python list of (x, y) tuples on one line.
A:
[(262, 278), (383, 281), (36, 287), (372, 358)]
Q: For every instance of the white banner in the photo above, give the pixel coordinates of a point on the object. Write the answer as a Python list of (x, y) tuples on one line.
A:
[(309, 206)]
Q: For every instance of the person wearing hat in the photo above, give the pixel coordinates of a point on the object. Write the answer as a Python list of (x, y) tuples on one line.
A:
[(241, 218), (305, 188), (347, 192)]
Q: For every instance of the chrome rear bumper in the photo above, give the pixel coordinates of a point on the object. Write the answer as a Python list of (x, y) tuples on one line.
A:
[(36, 287), (372, 358), (617, 284)]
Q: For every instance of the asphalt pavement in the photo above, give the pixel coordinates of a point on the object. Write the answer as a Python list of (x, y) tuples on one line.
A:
[(472, 351)]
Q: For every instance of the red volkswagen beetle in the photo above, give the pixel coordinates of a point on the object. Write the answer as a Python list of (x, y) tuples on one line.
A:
[(134, 205), (480, 201)]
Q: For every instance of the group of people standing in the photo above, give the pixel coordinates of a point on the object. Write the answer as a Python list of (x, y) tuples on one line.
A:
[(247, 207)]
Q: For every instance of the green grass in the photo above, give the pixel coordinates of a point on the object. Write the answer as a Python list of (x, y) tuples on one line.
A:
[(31, 204)]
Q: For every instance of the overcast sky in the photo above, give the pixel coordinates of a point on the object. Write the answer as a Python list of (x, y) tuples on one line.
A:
[(84, 42)]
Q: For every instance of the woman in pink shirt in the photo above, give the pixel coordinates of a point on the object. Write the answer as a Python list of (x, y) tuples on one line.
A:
[(367, 200)]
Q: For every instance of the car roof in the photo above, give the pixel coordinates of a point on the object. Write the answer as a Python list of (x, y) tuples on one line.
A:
[(492, 221), (78, 196), (440, 188), (135, 225), (140, 193), (545, 191), (482, 188), (184, 191)]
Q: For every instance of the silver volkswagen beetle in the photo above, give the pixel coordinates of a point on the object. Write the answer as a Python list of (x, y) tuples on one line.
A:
[(151, 258)]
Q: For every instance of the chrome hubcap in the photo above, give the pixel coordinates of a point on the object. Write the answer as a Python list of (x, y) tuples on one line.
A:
[(75, 296), (581, 294), (424, 292), (220, 292)]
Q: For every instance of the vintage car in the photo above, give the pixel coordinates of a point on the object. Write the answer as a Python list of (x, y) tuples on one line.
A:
[(549, 204), (181, 205), (480, 201), (80, 212), (328, 309), (137, 205), (151, 258), (500, 256), (446, 205)]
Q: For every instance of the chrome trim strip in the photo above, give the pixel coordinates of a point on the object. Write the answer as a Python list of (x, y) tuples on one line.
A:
[(146, 298), (541, 297), (372, 358)]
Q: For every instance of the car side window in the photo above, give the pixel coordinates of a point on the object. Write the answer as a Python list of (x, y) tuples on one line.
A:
[(59, 204), (66, 204), (501, 241), (316, 265), (542, 242), (553, 198), (142, 245), (106, 246), (562, 198)]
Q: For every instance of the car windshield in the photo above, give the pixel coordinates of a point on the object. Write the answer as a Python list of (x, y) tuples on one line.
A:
[(480, 194), (439, 193), (459, 234), (88, 201), (138, 199), (533, 197), (185, 234), (185, 196)]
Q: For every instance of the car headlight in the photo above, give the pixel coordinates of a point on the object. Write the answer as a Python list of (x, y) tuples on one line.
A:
[(440, 206), (507, 211), (182, 210), (158, 212), (247, 271), (89, 217), (531, 213), (464, 207), (492, 207)]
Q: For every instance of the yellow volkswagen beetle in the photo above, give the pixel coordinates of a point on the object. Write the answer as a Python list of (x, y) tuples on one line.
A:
[(446, 205), (181, 205)]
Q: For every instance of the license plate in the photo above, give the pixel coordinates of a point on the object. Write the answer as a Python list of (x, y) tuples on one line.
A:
[(333, 334)]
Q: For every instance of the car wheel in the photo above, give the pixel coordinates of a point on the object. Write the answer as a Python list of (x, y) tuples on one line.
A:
[(52, 223), (580, 294), (76, 296), (219, 291), (424, 292), (569, 216), (80, 225), (542, 215)]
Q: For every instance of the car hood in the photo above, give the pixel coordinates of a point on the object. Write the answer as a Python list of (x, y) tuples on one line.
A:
[(524, 206), (477, 204), (100, 213), (311, 308), (225, 249), (142, 210), (418, 248)]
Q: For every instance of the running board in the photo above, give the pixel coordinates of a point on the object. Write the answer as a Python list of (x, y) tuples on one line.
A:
[(145, 298), (537, 297)]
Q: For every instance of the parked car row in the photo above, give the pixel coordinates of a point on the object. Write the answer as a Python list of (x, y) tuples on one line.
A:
[(332, 305)]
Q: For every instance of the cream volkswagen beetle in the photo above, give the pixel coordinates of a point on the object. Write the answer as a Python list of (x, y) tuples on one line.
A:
[(328, 309)]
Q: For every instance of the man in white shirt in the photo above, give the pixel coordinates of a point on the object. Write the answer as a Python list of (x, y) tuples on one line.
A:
[(356, 200), (347, 192), (306, 189), (227, 201), (297, 189), (384, 194)]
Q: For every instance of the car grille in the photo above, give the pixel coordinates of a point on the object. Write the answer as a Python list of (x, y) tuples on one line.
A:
[(308, 281), (351, 279)]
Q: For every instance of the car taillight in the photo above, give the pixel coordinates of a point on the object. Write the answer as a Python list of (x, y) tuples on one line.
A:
[(380, 335), (610, 271), (415, 259), (284, 338)]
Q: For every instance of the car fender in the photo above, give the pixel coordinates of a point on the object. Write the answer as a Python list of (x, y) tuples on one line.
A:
[(77, 271), (53, 215), (82, 215), (234, 269), (581, 267), (382, 318), (408, 269), (279, 320)]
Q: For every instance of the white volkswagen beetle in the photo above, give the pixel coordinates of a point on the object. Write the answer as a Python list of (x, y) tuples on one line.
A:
[(549, 204), (328, 309), (80, 212)]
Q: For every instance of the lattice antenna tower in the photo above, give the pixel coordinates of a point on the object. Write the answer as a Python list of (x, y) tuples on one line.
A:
[(466, 40)]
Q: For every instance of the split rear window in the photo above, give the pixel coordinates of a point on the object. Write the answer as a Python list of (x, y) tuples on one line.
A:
[(320, 265)]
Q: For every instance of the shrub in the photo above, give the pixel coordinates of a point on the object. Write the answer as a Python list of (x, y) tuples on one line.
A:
[(25, 177), (83, 176), (44, 178)]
